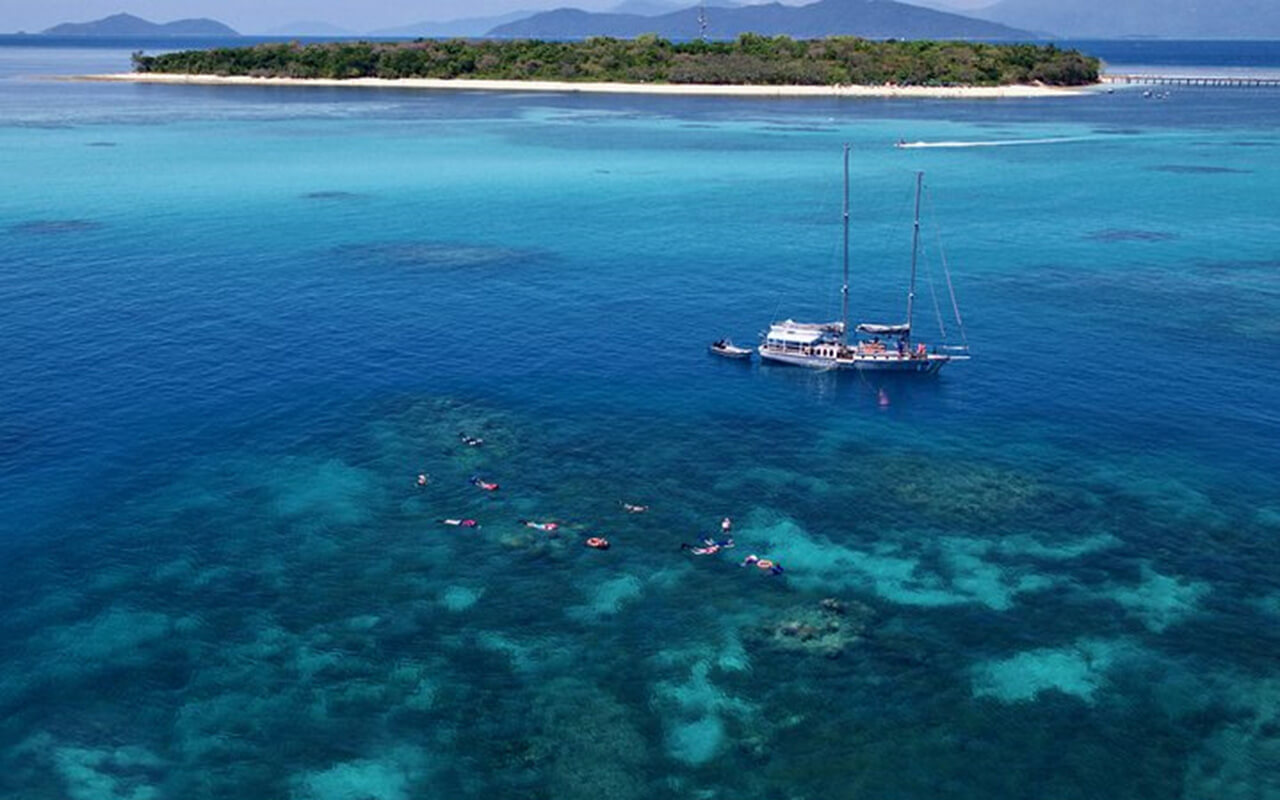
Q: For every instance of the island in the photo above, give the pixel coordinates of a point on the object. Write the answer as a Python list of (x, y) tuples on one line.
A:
[(750, 64), (128, 25)]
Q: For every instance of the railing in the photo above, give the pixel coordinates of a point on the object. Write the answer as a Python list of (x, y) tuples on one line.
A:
[(1193, 80)]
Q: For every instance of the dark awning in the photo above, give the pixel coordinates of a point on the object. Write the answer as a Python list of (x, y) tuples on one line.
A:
[(883, 330)]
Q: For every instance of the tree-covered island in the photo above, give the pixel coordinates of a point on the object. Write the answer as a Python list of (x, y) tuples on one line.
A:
[(749, 59)]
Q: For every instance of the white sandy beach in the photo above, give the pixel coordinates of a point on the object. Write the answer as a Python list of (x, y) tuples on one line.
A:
[(717, 90)]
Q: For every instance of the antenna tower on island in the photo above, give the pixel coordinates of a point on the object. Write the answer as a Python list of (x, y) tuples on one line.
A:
[(702, 21)]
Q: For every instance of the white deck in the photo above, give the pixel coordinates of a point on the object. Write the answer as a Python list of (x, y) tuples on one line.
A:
[(828, 358)]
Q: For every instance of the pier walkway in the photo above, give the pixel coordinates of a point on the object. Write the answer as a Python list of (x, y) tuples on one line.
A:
[(1193, 80)]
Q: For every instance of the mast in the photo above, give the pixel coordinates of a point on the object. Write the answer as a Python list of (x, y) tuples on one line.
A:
[(844, 287), (915, 249)]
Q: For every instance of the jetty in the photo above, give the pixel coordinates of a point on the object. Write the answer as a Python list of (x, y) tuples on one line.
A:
[(1194, 80)]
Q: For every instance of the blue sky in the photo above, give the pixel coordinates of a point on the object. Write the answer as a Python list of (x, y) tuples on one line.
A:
[(257, 16)]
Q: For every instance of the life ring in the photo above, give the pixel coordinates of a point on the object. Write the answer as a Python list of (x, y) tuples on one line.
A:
[(764, 563), (598, 543)]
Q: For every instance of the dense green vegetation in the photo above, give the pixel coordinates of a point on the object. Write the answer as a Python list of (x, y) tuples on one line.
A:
[(750, 59)]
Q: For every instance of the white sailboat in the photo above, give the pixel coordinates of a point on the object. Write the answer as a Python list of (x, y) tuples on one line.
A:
[(875, 347)]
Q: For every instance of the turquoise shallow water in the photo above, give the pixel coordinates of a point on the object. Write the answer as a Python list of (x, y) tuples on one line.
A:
[(238, 323)]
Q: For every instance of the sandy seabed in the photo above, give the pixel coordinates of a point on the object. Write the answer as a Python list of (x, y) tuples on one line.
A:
[(716, 90)]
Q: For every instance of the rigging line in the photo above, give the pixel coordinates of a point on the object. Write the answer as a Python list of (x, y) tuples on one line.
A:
[(946, 271), (933, 296), (892, 228), (863, 379), (933, 292), (832, 290), (828, 209)]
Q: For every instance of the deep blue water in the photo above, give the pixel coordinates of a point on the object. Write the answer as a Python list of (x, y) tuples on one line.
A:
[(1257, 54), (238, 322)]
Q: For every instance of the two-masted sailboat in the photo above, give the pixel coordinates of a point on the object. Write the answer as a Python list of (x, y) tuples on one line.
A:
[(878, 347)]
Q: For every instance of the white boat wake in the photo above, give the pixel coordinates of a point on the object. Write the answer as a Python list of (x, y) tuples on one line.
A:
[(993, 143)]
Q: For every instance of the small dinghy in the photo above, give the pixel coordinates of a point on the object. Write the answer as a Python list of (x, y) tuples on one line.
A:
[(727, 349)]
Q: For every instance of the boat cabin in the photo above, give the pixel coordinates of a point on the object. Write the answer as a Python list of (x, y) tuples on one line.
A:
[(808, 340)]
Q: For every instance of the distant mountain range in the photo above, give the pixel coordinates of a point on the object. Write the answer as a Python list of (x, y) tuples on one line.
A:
[(468, 26), (1169, 19), (877, 19), (651, 8), (309, 27), (129, 25), (872, 19)]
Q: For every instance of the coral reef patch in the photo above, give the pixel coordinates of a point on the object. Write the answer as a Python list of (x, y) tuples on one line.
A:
[(826, 628)]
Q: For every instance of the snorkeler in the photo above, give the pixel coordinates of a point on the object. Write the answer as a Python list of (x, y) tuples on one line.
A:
[(475, 480), (632, 508), (423, 480), (708, 546), (549, 527), (470, 441), (762, 563), (461, 523)]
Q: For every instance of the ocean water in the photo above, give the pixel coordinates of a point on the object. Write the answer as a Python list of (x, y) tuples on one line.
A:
[(238, 323)]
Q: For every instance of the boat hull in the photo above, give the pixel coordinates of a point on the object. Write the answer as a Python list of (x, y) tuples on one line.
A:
[(737, 353), (926, 365)]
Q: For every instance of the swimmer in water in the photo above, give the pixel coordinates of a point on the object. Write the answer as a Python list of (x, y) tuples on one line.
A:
[(632, 508), (483, 484), (708, 546), (726, 525), (549, 527), (423, 480), (763, 563), (461, 523), (470, 441)]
